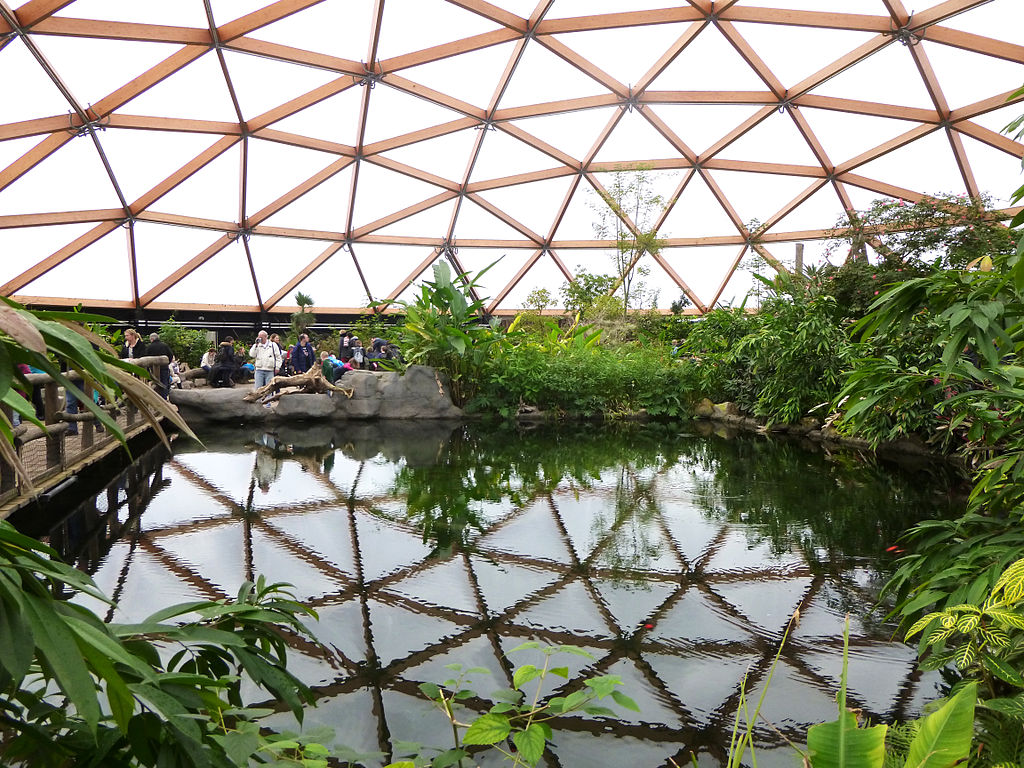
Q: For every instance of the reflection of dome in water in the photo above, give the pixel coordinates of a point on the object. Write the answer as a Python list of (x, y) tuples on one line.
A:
[(153, 156), (682, 604)]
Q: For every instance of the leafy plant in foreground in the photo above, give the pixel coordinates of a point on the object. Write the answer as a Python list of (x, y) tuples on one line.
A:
[(983, 640), (77, 691), (516, 725), (940, 740)]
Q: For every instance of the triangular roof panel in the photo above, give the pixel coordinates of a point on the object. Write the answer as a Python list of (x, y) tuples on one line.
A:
[(261, 84), (412, 25), (888, 76), (543, 76), (165, 153), (393, 112), (275, 169), (690, 70), (386, 191), (533, 204), (211, 192), (951, 64), (929, 161), (78, 274), (32, 93), (604, 47), (223, 279), (195, 92), (167, 14), (572, 132), (93, 67), (504, 155), (848, 134), (24, 247), (1001, 19), (818, 47), (278, 259), (71, 179), (333, 27), (448, 74), (322, 208), (543, 274), (181, 244)]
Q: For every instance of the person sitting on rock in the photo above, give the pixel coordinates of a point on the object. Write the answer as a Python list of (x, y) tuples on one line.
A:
[(225, 365)]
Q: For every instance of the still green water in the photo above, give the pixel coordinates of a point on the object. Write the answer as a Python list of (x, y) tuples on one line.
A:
[(675, 558)]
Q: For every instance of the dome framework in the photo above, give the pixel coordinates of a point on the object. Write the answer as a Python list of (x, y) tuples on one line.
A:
[(243, 158)]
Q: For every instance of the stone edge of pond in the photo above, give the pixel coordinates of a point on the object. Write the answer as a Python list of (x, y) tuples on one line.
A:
[(729, 414)]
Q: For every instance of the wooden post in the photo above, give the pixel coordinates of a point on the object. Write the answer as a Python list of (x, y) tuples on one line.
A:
[(799, 266), (86, 428), (8, 479), (54, 444)]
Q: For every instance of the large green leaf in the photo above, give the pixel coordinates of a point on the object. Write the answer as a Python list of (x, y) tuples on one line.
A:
[(841, 744), (530, 743), (487, 729), (944, 737), (57, 647)]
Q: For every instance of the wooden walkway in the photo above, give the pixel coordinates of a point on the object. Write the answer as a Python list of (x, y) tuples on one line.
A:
[(52, 456)]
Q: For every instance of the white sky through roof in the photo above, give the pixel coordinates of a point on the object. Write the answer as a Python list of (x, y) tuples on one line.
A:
[(152, 155)]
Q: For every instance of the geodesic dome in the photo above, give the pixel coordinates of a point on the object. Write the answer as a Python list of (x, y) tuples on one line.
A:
[(228, 153)]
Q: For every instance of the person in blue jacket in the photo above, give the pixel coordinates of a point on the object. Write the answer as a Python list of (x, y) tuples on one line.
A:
[(303, 356)]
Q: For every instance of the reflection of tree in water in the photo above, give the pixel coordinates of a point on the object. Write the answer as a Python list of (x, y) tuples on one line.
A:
[(844, 505), (446, 500), (630, 548)]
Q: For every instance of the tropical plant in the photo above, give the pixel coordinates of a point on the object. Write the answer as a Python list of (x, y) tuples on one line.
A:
[(947, 231), (77, 691), (303, 319), (982, 639), (516, 724), (444, 328)]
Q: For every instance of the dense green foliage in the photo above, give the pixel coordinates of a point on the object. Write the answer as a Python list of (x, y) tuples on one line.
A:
[(77, 691), (443, 329), (188, 344), (780, 364)]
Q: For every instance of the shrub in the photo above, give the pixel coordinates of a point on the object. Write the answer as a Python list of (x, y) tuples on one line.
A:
[(187, 344)]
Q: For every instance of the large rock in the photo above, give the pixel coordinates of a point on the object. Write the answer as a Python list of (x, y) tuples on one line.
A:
[(419, 393), (218, 404)]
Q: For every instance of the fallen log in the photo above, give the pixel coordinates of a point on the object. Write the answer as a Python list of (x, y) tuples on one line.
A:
[(312, 382)]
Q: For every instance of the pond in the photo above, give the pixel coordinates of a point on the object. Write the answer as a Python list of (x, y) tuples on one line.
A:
[(674, 558)]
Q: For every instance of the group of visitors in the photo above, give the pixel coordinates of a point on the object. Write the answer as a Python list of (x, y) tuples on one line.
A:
[(135, 348), (267, 357)]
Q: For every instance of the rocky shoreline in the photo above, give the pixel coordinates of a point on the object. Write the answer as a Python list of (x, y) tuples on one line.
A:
[(418, 393)]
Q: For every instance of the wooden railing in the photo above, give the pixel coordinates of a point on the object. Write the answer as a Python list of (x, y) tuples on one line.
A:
[(47, 452)]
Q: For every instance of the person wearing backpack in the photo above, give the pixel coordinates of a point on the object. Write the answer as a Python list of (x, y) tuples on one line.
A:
[(266, 359)]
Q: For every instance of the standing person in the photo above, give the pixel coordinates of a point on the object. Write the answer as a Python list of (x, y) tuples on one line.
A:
[(133, 347), (344, 348), (266, 359), (357, 350), (156, 348), (303, 355)]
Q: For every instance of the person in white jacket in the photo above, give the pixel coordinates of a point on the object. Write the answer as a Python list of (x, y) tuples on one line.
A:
[(266, 359)]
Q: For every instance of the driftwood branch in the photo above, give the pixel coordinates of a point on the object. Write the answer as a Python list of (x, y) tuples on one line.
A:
[(312, 382)]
